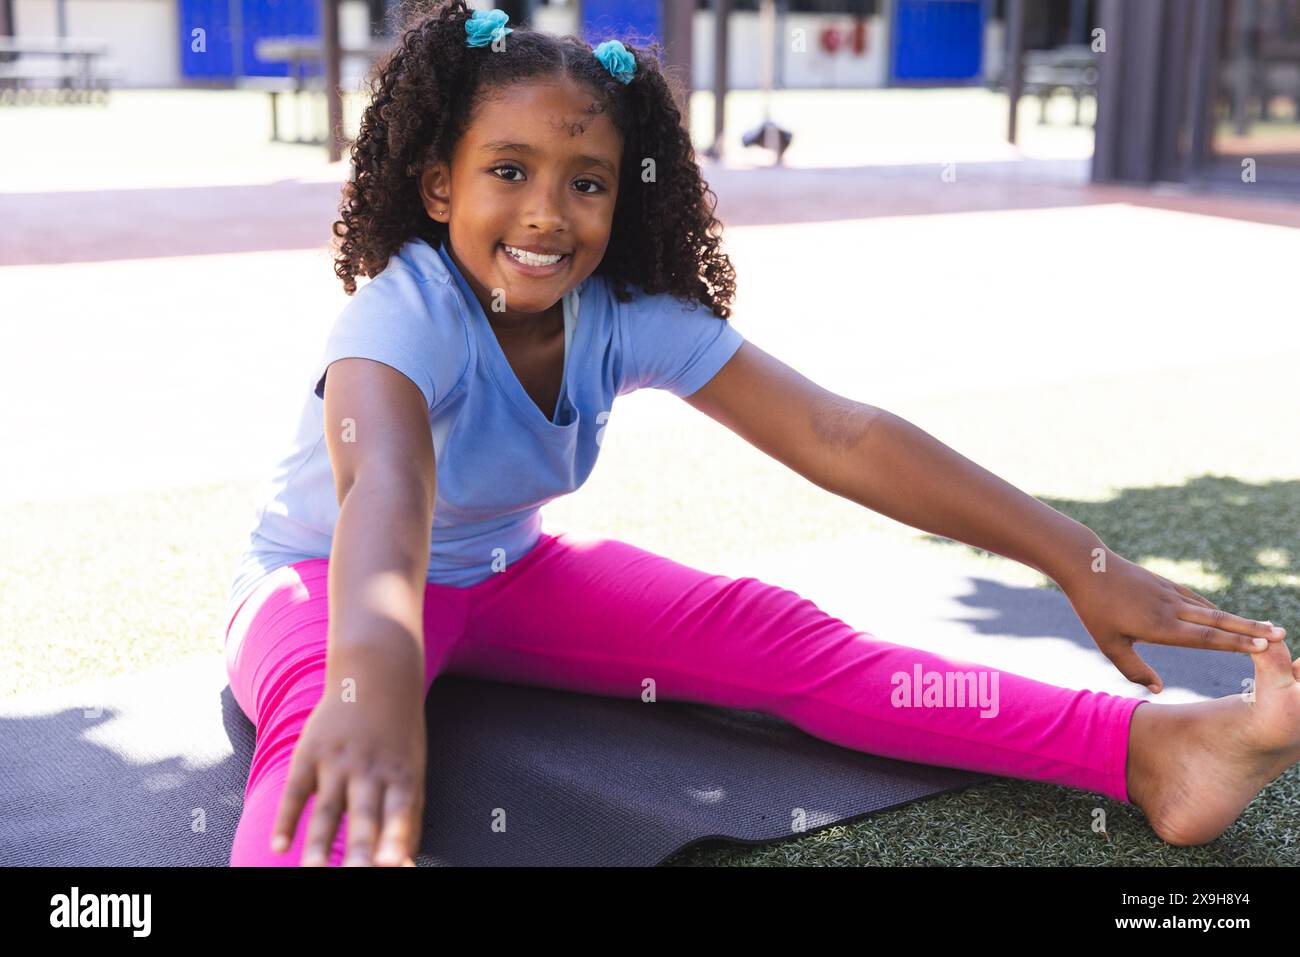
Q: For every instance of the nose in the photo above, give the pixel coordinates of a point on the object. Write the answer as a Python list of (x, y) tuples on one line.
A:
[(544, 208)]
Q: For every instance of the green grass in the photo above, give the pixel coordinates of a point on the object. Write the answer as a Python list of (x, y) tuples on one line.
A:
[(1235, 542), (114, 585)]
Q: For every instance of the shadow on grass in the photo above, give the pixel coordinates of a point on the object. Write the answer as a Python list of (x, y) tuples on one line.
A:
[(1245, 538)]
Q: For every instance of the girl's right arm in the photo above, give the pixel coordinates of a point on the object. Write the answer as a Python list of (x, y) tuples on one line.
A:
[(363, 747)]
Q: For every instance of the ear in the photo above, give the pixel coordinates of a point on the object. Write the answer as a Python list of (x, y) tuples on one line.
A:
[(435, 192)]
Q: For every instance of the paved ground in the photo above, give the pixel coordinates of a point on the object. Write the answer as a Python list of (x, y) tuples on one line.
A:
[(164, 310)]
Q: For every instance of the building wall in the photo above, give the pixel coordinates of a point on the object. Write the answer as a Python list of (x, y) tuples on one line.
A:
[(813, 67), (145, 44), (142, 34)]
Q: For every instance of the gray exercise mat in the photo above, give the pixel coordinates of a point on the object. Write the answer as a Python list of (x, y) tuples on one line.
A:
[(157, 777)]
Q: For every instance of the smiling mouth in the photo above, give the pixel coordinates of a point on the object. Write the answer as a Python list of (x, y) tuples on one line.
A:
[(534, 263)]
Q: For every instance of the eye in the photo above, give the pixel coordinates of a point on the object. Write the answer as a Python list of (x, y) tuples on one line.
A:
[(511, 166), (506, 166)]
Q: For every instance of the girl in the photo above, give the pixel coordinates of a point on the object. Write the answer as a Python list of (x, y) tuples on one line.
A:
[(537, 238)]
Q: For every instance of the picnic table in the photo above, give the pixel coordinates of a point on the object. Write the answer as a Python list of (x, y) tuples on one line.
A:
[(73, 63), (305, 56)]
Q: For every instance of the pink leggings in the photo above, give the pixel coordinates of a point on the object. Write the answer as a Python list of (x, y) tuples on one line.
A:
[(600, 616)]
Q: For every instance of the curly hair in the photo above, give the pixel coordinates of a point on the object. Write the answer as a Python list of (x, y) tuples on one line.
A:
[(422, 98)]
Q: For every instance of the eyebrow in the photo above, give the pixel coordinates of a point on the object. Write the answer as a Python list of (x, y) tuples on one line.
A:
[(500, 146)]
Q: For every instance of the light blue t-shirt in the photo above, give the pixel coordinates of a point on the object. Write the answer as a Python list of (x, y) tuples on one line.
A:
[(499, 458)]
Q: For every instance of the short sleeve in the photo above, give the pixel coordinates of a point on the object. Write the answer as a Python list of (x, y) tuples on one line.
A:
[(673, 345), (410, 325)]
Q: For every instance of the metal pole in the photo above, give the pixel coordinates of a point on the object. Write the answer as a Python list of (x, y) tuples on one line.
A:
[(235, 8), (1111, 82), (767, 39), (61, 8), (1243, 82), (676, 19), (1079, 21), (782, 9), (333, 78), (721, 16), (1201, 97), (1015, 74), (891, 37)]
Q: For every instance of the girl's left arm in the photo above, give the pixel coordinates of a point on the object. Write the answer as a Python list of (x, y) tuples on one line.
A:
[(885, 463)]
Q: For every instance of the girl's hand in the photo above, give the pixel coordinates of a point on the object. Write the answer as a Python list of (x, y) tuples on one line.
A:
[(1126, 604), (369, 760)]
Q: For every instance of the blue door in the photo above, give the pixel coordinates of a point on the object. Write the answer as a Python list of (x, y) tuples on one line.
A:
[(231, 28), (936, 40), (634, 21), (205, 24)]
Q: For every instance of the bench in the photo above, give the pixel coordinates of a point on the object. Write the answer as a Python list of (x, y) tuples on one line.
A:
[(52, 69), (275, 86), (1071, 68), (51, 83), (305, 58)]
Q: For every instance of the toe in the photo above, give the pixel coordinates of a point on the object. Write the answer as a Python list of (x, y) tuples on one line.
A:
[(1275, 662)]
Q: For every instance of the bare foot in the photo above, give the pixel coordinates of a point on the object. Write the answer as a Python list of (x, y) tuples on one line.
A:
[(1193, 768)]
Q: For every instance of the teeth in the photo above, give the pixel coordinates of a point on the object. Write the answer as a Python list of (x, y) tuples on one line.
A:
[(531, 259)]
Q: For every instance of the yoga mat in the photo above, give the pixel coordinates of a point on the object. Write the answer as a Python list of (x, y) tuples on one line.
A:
[(150, 768)]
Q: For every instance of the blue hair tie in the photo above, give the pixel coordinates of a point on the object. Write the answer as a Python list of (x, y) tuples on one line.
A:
[(615, 57), (486, 26)]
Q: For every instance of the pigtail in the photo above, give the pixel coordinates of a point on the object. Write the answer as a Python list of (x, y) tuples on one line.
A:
[(682, 251)]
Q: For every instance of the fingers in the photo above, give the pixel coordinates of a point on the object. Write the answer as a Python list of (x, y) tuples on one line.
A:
[(1192, 596), (363, 820), (403, 811), (301, 784), (325, 818), (1132, 667), (1241, 630), (1190, 634), (1187, 592)]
